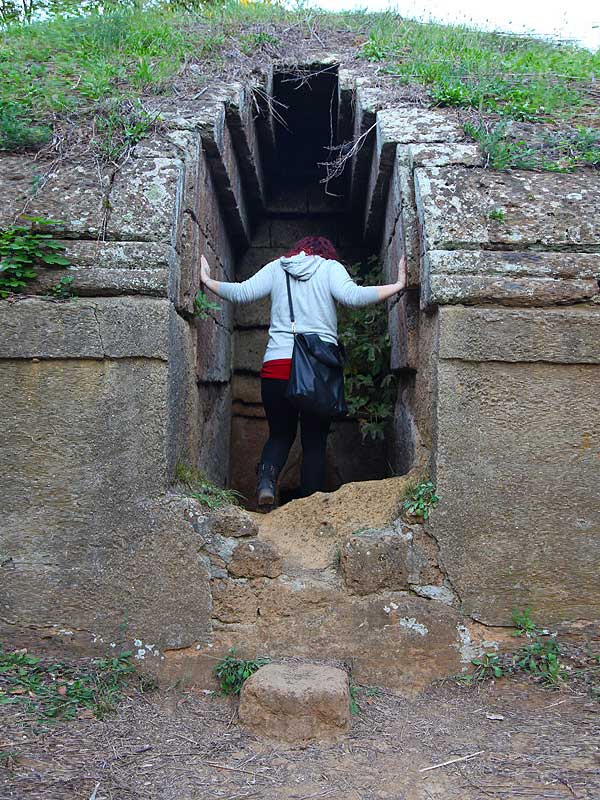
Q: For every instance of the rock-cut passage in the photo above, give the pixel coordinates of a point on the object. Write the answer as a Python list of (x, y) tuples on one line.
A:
[(299, 203)]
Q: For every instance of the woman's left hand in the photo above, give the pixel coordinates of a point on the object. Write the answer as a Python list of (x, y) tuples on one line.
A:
[(204, 269)]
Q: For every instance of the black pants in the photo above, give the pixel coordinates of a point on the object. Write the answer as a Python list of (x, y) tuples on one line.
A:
[(283, 422)]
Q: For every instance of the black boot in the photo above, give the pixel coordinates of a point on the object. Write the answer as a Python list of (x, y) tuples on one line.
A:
[(267, 483)]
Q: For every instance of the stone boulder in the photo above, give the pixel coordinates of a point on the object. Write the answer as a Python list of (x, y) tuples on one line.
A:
[(233, 521), (296, 702)]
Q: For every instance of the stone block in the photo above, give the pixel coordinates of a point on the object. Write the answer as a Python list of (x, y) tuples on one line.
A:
[(516, 465), (540, 210), (240, 111), (296, 702), (509, 278), (183, 416), (250, 346), (233, 521), (254, 259), (403, 323), (82, 570), (569, 335), (214, 351), (246, 388), (144, 200), (254, 315), (112, 327), (373, 560), (442, 154), (215, 424), (288, 200), (255, 559), (396, 557), (413, 124), (105, 282)]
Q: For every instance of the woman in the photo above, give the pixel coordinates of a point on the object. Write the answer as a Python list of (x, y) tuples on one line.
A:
[(318, 281)]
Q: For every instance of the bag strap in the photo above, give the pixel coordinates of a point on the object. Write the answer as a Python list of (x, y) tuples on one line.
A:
[(291, 305)]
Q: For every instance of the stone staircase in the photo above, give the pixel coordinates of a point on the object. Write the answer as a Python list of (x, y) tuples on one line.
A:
[(335, 577)]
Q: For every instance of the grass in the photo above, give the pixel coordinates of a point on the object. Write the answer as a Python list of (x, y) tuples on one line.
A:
[(195, 484), (95, 71), (49, 689), (521, 78)]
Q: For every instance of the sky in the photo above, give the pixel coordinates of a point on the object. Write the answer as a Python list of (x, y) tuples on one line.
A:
[(575, 20)]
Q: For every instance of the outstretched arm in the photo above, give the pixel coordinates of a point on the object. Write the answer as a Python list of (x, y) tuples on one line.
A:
[(347, 292), (259, 285)]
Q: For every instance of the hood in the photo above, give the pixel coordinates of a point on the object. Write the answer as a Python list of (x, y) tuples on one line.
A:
[(301, 266)]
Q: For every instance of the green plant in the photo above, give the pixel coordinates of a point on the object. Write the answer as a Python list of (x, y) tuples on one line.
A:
[(62, 289), (486, 666), (232, 672), (119, 127), (370, 384), (18, 132), (357, 691), (497, 214), (541, 659), (203, 306), (58, 690), (553, 150), (23, 249), (198, 486), (421, 499), (524, 623)]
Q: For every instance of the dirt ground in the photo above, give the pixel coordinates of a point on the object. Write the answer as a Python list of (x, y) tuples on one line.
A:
[(523, 741)]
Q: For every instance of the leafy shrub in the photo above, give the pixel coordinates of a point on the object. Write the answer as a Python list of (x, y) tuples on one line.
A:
[(23, 249), (369, 382), (233, 672)]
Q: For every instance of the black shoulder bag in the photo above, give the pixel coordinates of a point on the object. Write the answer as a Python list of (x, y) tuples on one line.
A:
[(316, 383)]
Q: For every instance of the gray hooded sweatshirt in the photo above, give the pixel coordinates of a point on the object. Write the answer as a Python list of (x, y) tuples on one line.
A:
[(316, 283)]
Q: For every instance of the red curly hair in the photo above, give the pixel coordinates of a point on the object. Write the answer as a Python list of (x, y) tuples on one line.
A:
[(314, 246)]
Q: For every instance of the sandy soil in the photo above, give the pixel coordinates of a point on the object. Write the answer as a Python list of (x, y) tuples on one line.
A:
[(525, 742)]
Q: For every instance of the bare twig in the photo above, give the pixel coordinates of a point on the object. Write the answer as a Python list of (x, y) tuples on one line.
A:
[(451, 761)]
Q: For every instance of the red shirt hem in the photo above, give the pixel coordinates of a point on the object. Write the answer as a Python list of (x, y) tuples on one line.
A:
[(278, 368)]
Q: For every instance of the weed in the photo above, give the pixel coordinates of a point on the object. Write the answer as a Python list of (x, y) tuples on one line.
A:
[(25, 248), (487, 666), (524, 623), (366, 692), (369, 383), (56, 690), (62, 289), (119, 127), (198, 486), (232, 672), (541, 659), (203, 306), (497, 214), (421, 499), (251, 42)]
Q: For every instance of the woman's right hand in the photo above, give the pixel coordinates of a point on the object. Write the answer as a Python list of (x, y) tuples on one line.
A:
[(402, 278)]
